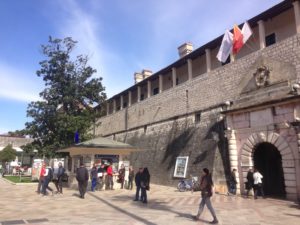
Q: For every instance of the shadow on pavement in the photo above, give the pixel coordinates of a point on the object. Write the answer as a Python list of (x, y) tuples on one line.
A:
[(122, 210)]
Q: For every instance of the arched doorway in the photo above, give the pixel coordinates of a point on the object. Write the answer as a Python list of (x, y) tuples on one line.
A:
[(267, 159)]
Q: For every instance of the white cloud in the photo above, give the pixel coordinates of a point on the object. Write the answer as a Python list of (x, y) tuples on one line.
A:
[(15, 84), (84, 26)]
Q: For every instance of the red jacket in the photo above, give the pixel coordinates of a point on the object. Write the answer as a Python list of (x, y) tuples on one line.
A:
[(109, 171), (42, 173)]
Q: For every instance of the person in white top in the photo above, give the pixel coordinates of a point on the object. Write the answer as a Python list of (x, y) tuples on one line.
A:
[(257, 177)]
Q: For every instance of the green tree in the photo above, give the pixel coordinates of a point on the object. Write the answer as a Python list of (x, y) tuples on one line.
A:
[(67, 100), (7, 154)]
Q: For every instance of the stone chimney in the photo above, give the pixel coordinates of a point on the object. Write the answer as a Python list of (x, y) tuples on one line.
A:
[(138, 77), (185, 49)]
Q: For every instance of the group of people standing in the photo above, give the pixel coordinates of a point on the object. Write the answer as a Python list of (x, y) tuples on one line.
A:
[(47, 175), (254, 181), (104, 175)]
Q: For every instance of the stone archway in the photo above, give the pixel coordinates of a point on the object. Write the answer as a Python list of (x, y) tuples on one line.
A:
[(289, 171)]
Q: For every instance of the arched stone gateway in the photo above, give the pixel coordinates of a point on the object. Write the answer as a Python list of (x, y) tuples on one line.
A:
[(274, 146)]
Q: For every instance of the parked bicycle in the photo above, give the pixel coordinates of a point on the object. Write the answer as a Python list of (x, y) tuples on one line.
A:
[(188, 184)]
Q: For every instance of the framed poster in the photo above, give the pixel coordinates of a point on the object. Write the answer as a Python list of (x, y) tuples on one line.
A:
[(181, 166)]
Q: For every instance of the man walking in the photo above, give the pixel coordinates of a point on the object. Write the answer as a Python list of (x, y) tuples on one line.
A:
[(58, 182), (48, 176), (206, 187), (258, 184), (41, 178), (138, 177), (82, 176)]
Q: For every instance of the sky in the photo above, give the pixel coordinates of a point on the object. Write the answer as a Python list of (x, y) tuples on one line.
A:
[(119, 36)]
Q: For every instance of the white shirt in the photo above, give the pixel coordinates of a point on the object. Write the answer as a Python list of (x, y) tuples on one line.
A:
[(257, 178)]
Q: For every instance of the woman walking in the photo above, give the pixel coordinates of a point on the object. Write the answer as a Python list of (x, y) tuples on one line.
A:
[(206, 187)]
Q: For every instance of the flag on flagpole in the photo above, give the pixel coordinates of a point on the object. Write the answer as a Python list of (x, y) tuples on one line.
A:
[(246, 31), (226, 47), (237, 40)]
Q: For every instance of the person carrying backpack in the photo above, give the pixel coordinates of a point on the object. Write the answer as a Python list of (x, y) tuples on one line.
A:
[(48, 176)]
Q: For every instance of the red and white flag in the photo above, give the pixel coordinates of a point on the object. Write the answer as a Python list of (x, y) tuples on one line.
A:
[(237, 40), (234, 42)]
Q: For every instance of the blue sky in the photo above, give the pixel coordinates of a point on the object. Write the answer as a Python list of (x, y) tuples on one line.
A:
[(120, 36)]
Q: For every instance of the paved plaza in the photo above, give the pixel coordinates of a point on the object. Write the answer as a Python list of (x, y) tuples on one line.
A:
[(20, 204)]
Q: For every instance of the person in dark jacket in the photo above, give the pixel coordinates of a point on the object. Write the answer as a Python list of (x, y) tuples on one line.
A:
[(130, 178), (82, 176), (232, 183), (206, 187), (101, 171), (94, 176), (121, 176), (250, 181), (138, 183), (145, 184), (60, 174)]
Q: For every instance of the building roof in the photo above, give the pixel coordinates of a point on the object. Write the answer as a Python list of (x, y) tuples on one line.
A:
[(271, 12), (100, 145)]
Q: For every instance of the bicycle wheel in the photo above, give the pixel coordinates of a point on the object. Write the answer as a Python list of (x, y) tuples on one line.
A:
[(181, 187)]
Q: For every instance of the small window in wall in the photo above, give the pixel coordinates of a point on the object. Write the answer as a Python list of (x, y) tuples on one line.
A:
[(155, 91), (197, 117), (270, 39), (125, 105), (142, 97), (181, 166)]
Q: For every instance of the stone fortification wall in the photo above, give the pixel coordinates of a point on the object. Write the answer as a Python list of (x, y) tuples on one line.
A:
[(202, 92), (164, 125)]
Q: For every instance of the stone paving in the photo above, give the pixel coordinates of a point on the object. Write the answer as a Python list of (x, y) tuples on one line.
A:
[(21, 205)]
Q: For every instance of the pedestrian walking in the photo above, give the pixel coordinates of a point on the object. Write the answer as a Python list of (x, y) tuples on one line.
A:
[(232, 183), (250, 181), (59, 180), (94, 176), (130, 178), (206, 187), (110, 182), (41, 178), (121, 176), (48, 176), (82, 176), (145, 184), (258, 185), (137, 180)]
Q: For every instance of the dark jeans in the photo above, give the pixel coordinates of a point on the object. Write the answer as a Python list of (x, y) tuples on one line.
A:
[(144, 194), (82, 185), (137, 194), (94, 184), (40, 185), (130, 184), (110, 183), (58, 184), (45, 186), (258, 188)]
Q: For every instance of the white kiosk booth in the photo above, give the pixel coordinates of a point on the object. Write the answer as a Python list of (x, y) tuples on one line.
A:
[(98, 150)]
